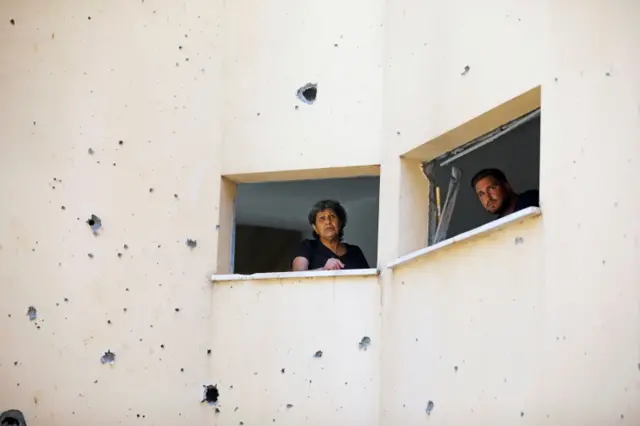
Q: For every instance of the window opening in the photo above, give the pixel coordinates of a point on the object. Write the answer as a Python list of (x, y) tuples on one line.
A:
[(513, 148), (271, 220), (488, 138)]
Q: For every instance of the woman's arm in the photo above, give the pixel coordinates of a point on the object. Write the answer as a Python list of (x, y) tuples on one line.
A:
[(300, 264), (303, 257)]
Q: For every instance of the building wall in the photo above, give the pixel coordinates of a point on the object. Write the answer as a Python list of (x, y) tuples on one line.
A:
[(266, 335), (470, 342), (273, 49), (72, 84), (591, 235), (544, 331), (428, 89)]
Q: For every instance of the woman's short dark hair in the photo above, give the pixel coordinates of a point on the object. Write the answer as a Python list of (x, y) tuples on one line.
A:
[(328, 205), (494, 173)]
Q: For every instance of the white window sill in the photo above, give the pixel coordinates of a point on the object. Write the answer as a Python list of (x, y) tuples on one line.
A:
[(296, 274), (481, 230)]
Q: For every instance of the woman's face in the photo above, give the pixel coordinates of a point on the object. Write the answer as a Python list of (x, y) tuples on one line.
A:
[(327, 224)]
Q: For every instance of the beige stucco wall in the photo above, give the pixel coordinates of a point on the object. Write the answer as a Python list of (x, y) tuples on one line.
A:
[(545, 332), (266, 335), (469, 342), (542, 332), (273, 49), (71, 83)]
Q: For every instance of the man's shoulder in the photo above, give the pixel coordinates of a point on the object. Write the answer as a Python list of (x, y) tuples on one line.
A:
[(530, 198), (532, 193)]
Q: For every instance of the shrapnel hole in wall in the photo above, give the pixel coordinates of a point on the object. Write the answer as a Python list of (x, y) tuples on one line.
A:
[(308, 93)]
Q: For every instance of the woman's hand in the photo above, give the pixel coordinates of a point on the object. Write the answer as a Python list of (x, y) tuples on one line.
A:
[(333, 264)]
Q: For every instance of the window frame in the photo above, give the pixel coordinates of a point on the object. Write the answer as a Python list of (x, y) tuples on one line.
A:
[(414, 231), (227, 217), (461, 151)]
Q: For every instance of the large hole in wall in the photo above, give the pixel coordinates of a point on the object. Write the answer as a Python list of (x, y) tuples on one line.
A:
[(308, 93), (211, 394)]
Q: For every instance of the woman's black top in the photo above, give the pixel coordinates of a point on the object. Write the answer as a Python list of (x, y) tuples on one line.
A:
[(317, 254)]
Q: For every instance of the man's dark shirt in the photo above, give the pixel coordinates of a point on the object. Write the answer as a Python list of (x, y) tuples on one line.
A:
[(529, 198), (317, 254)]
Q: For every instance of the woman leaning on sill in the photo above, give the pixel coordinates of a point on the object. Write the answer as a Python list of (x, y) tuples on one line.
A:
[(326, 251)]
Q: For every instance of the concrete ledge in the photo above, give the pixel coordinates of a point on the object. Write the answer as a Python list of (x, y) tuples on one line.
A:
[(296, 275), (481, 230)]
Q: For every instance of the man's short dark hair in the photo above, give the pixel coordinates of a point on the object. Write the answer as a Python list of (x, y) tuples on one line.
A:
[(332, 205), (494, 173)]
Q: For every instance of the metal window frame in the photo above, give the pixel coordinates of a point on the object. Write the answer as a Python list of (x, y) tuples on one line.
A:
[(459, 152)]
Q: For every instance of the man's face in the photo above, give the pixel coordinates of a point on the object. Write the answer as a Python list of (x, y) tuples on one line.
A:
[(492, 194), (327, 224)]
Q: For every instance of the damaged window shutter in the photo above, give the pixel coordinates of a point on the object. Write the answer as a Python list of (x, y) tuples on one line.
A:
[(440, 218), (449, 204), (428, 171)]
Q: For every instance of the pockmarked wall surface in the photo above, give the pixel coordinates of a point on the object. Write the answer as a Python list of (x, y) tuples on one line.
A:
[(296, 351), (273, 49), (472, 346), (541, 319), (110, 110)]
